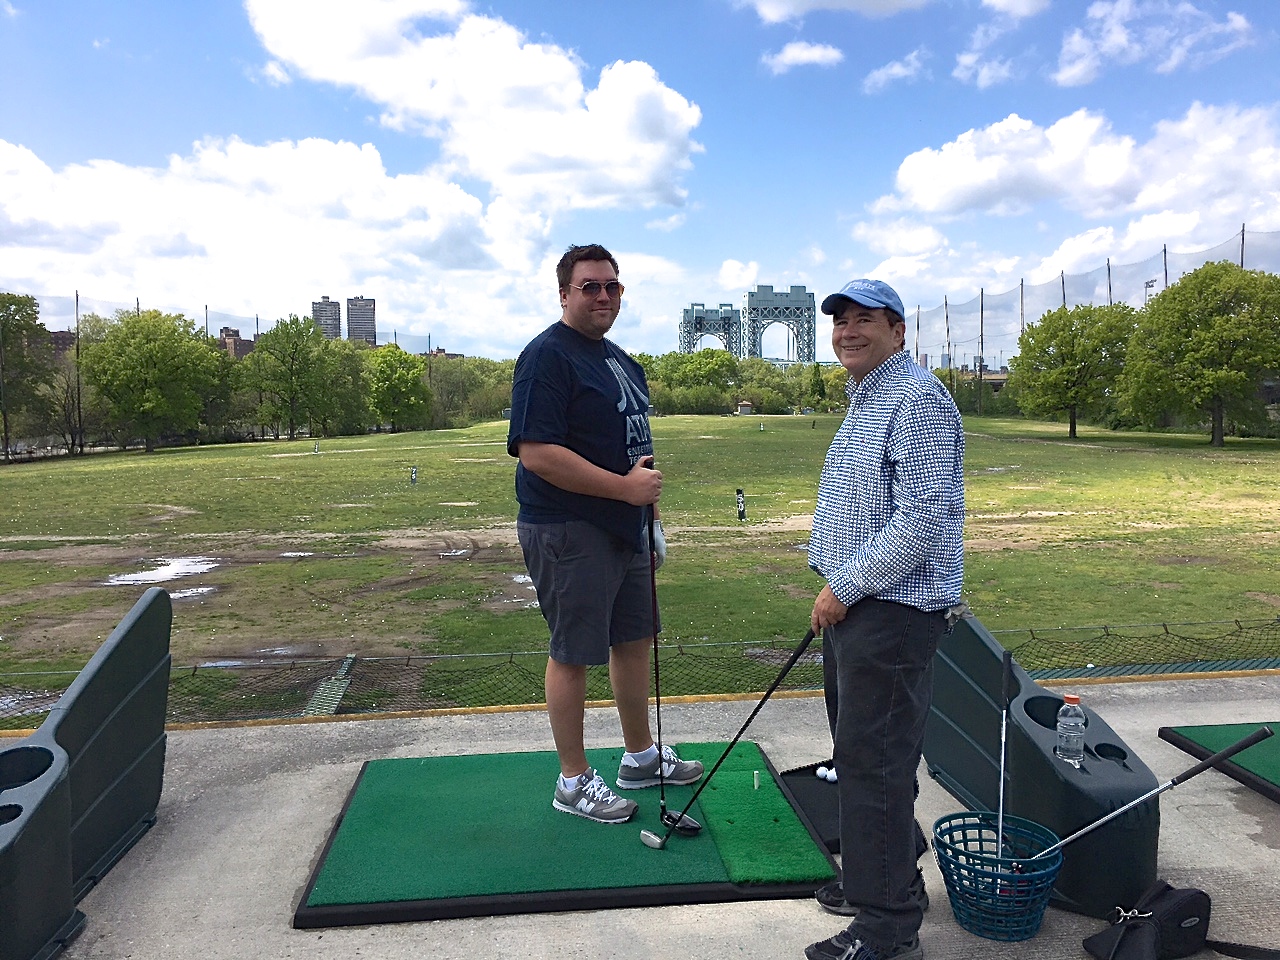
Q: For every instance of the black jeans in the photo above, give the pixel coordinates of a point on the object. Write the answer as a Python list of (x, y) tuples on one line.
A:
[(883, 655)]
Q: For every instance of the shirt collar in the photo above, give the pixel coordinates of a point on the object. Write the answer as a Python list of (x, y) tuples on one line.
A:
[(892, 364)]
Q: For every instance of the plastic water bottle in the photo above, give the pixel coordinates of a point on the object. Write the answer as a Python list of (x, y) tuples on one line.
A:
[(1070, 729)]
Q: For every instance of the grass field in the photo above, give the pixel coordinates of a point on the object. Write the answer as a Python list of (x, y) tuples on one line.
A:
[(335, 552)]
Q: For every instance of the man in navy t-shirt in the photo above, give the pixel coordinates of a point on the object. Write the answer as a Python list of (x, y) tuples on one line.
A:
[(586, 485)]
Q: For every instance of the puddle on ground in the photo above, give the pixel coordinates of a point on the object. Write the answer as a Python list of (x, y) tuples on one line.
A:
[(167, 569), (22, 702), (527, 582), (297, 553), (453, 553), (191, 593)]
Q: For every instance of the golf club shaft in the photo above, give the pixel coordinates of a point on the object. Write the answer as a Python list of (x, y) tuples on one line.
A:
[(657, 670), (795, 657), (1260, 734), (1006, 683)]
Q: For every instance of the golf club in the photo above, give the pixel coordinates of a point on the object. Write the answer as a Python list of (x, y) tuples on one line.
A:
[(685, 825), (1258, 735), (651, 839), (1006, 683)]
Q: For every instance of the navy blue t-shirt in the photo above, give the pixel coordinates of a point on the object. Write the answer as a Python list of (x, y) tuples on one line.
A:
[(589, 396)]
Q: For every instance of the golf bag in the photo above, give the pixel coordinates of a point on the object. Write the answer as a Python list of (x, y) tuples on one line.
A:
[(1164, 924)]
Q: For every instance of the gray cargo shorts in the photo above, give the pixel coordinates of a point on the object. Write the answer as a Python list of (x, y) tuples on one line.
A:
[(594, 590)]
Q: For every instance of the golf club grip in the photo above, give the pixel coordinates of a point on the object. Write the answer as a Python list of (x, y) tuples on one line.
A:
[(1006, 679), (795, 657), (1260, 734)]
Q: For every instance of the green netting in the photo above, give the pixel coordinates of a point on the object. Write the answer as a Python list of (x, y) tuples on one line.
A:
[(283, 689)]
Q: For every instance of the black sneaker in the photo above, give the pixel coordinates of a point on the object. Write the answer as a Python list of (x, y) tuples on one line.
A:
[(844, 946), (831, 897)]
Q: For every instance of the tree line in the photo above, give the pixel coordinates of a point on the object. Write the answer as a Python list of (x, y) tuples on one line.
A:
[(1204, 353), (144, 377)]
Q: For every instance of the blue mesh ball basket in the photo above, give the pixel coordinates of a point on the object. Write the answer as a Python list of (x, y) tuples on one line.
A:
[(996, 890)]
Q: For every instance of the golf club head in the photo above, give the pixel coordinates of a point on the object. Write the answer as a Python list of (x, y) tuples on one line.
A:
[(682, 822), (651, 839)]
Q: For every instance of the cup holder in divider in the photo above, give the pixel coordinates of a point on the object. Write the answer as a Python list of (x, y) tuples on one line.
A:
[(22, 765), (9, 812), (1110, 751), (1044, 709)]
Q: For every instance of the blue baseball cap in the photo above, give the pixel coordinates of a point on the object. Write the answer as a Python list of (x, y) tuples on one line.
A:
[(870, 293)]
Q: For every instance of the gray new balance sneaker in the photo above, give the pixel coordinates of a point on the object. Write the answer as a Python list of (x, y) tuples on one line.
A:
[(674, 771), (592, 798)]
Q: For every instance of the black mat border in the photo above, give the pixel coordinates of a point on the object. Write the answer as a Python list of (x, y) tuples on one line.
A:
[(1238, 773), (552, 901)]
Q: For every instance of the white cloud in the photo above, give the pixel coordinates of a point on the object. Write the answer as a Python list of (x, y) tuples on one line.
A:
[(972, 68), (506, 111), (975, 66), (8, 9), (736, 275), (265, 229), (780, 11), (667, 224), (908, 68), (899, 237), (274, 73), (1203, 173), (800, 54), (1170, 33), (1018, 9)]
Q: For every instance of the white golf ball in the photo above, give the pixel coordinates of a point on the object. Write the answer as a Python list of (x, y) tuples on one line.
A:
[(831, 775), (821, 773), (1089, 665)]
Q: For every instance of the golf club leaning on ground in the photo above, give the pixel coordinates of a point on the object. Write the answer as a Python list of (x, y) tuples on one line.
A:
[(684, 824), (1243, 744), (651, 839)]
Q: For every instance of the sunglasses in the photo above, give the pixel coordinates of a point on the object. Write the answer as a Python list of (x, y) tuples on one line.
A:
[(592, 288)]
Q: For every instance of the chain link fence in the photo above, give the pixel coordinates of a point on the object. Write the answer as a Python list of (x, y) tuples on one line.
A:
[(274, 690)]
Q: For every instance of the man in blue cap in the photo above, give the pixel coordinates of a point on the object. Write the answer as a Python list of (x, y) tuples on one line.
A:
[(887, 538)]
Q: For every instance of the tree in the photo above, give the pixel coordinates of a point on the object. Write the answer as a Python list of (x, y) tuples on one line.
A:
[(1203, 346), (287, 366), (26, 362), (768, 389), (817, 385), (344, 404), (707, 367), (153, 371), (398, 390), (1069, 362)]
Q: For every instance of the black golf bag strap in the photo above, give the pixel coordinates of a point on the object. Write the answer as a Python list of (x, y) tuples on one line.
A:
[(1242, 951)]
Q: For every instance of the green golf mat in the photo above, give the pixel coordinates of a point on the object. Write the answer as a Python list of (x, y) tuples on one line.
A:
[(462, 836), (1257, 767)]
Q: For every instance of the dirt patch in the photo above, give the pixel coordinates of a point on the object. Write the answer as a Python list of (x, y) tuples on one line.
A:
[(1268, 598)]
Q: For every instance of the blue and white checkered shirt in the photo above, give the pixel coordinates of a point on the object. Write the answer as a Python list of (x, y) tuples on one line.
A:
[(890, 516)]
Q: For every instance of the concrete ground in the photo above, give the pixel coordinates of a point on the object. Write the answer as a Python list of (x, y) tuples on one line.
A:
[(245, 812)]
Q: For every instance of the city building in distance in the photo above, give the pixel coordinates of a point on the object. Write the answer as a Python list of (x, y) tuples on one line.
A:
[(327, 315), (360, 320), (231, 343)]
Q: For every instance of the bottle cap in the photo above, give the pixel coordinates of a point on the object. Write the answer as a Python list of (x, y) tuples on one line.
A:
[(1071, 698)]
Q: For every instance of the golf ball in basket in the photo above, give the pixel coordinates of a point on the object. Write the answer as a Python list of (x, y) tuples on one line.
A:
[(821, 772)]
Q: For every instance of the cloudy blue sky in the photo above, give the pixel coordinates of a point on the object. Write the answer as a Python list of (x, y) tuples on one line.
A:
[(438, 155)]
